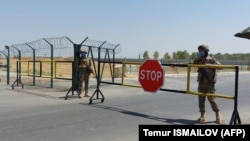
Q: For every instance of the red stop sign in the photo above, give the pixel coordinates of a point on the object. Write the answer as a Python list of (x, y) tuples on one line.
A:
[(151, 75)]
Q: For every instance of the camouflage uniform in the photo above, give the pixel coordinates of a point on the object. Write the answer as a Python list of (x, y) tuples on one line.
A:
[(84, 68), (207, 78)]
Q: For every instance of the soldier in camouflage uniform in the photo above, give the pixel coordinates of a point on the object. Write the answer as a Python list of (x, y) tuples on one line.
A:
[(85, 69), (206, 79)]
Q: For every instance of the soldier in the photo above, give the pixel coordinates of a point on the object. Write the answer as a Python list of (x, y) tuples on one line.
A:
[(206, 82), (85, 69)]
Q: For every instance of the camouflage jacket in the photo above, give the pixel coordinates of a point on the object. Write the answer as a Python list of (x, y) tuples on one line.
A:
[(207, 74), (85, 64)]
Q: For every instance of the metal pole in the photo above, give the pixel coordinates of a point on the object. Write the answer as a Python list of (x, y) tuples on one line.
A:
[(8, 64), (83, 41), (51, 63), (98, 69), (19, 64), (113, 79), (75, 72), (34, 61), (113, 62)]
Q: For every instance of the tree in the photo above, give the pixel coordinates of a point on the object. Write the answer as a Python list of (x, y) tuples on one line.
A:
[(145, 55), (166, 56), (181, 55), (174, 55), (194, 55), (156, 55), (184, 54)]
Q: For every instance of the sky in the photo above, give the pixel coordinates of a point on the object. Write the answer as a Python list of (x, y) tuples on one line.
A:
[(165, 26)]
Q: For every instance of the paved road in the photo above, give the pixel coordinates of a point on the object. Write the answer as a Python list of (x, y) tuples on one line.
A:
[(38, 113)]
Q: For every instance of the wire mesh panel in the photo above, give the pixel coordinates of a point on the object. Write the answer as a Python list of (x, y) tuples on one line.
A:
[(50, 57)]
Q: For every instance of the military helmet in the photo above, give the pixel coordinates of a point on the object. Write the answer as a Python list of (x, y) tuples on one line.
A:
[(83, 50), (204, 47)]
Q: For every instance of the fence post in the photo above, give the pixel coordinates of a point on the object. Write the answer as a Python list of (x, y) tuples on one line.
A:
[(8, 64)]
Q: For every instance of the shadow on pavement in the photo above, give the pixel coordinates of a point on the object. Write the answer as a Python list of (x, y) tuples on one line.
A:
[(166, 120)]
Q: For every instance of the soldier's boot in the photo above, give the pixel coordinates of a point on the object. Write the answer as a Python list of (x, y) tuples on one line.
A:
[(201, 119), (86, 94), (217, 117), (80, 94)]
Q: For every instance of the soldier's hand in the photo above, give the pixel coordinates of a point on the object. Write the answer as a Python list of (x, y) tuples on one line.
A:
[(207, 66)]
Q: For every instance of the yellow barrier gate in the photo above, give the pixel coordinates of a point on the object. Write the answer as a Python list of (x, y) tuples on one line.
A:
[(235, 119)]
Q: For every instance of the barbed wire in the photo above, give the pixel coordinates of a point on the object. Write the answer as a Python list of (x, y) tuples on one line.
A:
[(44, 46), (60, 42), (103, 46)]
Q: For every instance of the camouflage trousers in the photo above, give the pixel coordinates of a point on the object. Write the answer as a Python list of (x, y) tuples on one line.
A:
[(205, 87), (83, 77)]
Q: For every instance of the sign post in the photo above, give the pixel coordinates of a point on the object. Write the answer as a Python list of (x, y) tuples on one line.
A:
[(151, 75)]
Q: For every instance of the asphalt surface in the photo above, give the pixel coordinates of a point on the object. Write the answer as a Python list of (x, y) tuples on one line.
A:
[(40, 113)]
